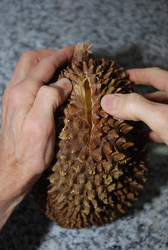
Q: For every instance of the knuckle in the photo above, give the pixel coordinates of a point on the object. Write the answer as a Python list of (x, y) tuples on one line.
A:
[(46, 91), (34, 129), (5, 97), (15, 95), (133, 96), (132, 99), (155, 68), (163, 118), (61, 57), (4, 104), (27, 55), (131, 105), (52, 93), (152, 70)]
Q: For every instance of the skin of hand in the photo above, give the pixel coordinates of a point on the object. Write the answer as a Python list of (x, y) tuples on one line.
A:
[(28, 127), (151, 108)]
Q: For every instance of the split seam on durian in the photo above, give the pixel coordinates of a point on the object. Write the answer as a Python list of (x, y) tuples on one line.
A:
[(86, 95)]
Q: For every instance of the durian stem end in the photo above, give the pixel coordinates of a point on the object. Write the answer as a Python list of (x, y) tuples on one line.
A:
[(81, 53)]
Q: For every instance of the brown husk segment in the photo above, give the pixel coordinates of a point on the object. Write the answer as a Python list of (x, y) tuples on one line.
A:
[(101, 160)]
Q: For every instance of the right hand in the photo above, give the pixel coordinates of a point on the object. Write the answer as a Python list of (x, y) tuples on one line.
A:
[(150, 108)]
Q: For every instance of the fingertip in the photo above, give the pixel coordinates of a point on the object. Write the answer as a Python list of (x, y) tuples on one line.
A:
[(72, 46), (151, 136), (63, 83), (128, 71), (105, 102), (69, 51), (63, 89), (132, 74), (109, 102)]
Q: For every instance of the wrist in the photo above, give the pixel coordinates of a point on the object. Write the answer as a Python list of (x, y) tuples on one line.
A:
[(14, 186)]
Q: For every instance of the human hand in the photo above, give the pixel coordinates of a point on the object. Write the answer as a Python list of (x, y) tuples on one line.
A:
[(150, 108), (28, 128)]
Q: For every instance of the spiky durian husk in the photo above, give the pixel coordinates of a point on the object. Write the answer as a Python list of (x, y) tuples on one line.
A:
[(101, 160)]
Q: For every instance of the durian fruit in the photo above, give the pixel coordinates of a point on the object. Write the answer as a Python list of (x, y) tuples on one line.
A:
[(100, 160)]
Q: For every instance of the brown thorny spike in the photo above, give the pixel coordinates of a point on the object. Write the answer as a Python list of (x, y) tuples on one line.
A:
[(100, 160)]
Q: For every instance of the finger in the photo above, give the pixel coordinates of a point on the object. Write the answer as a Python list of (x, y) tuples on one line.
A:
[(49, 98), (24, 92), (28, 60), (136, 107), (45, 69), (153, 137), (40, 118), (150, 76), (159, 96)]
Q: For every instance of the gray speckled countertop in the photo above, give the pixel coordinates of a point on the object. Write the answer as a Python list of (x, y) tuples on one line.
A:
[(135, 34)]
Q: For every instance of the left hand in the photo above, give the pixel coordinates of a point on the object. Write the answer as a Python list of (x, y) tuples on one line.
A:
[(28, 128)]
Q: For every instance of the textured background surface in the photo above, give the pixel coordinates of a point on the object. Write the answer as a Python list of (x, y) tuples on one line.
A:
[(135, 33)]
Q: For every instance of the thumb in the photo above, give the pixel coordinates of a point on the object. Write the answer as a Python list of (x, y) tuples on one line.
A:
[(136, 107), (127, 106)]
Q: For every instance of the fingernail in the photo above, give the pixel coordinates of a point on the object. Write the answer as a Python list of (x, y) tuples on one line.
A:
[(64, 83), (109, 102)]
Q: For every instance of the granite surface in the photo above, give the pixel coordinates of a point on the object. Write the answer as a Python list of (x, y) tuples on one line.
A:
[(135, 34)]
